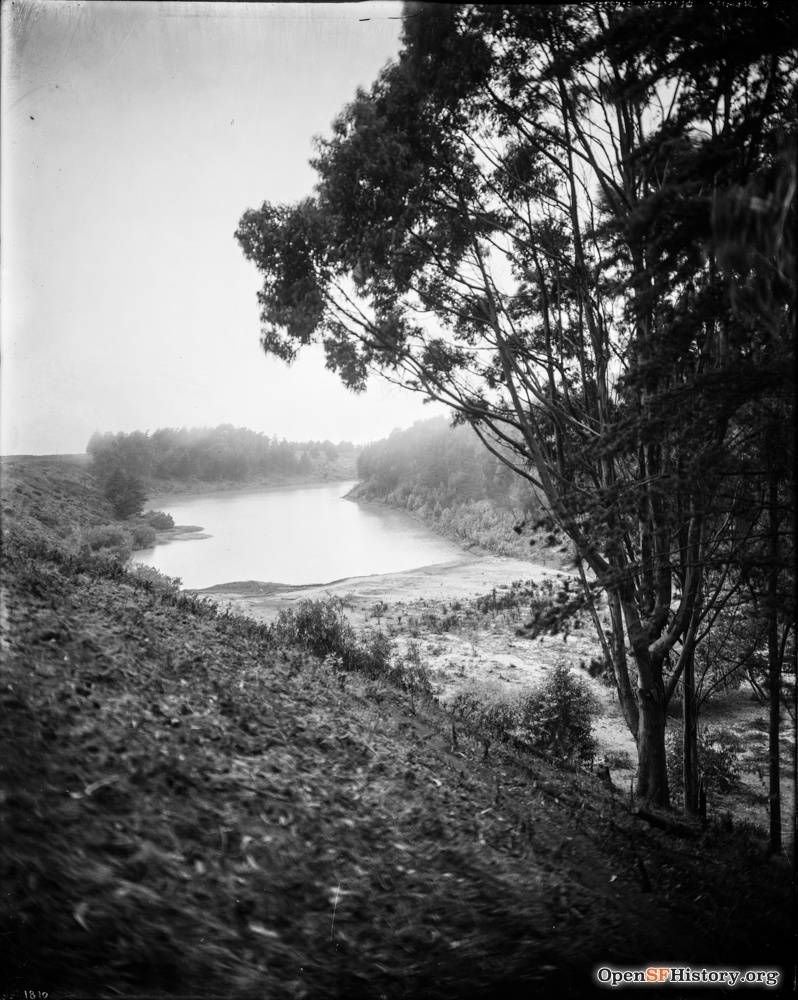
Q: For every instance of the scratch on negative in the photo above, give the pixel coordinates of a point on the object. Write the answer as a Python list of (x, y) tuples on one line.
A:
[(335, 907)]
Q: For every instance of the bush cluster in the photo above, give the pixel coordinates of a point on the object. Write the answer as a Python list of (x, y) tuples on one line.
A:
[(155, 580), (319, 626), (322, 628), (159, 520), (550, 604), (142, 535), (718, 759), (409, 673), (119, 540), (107, 536), (555, 718), (485, 706)]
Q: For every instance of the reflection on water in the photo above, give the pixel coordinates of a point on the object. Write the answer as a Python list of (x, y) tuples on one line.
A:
[(296, 535)]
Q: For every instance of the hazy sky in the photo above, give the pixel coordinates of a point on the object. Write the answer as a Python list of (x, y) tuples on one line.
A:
[(134, 136)]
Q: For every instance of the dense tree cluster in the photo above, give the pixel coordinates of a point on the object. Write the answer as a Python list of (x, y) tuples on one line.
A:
[(574, 225), (443, 465), (445, 476), (212, 454)]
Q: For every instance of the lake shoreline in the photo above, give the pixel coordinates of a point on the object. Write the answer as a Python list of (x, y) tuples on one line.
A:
[(259, 536), (477, 572), (267, 587)]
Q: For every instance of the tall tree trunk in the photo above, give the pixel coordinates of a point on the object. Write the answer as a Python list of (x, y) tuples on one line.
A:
[(652, 773), (774, 661), (620, 667), (689, 737)]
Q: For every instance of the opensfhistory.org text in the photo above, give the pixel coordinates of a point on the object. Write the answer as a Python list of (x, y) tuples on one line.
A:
[(685, 975)]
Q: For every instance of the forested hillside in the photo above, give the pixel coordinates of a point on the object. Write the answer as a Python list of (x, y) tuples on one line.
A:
[(445, 476), (224, 453)]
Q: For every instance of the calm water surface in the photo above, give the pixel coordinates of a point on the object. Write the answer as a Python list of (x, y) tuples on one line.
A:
[(292, 535)]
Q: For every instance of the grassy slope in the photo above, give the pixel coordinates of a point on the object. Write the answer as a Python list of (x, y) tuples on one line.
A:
[(190, 809)]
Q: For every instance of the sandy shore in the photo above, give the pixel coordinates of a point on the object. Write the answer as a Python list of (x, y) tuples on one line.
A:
[(471, 576)]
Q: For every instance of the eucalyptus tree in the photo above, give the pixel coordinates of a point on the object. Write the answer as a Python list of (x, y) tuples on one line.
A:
[(513, 220)]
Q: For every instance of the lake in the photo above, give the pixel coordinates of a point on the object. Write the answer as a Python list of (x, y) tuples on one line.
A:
[(294, 535)]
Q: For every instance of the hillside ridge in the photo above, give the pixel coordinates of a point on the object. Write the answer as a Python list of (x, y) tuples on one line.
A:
[(191, 807)]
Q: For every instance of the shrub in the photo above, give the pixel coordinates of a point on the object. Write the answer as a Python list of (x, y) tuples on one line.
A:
[(109, 538), (317, 625), (718, 759), (557, 716), (377, 647), (619, 759), (153, 579), (321, 627), (159, 520), (142, 535), (498, 716), (411, 677), (371, 656), (485, 706), (410, 674)]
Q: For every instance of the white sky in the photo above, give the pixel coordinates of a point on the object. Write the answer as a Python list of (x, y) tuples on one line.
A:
[(134, 136)]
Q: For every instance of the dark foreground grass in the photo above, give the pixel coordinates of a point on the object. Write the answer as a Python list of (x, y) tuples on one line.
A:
[(189, 808)]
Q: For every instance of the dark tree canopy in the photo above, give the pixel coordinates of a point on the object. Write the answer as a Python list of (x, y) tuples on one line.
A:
[(530, 216)]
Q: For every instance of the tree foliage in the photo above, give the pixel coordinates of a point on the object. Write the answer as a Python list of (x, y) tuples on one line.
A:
[(445, 476), (125, 492), (444, 465), (522, 218), (219, 453), (557, 716)]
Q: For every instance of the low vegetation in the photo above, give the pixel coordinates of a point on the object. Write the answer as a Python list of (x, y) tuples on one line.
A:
[(321, 627), (555, 718), (198, 804), (159, 520)]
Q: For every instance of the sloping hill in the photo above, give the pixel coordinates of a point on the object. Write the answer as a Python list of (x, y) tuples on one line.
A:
[(190, 809)]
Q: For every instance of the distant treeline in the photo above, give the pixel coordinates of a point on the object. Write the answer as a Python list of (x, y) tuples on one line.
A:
[(223, 453), (447, 477)]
